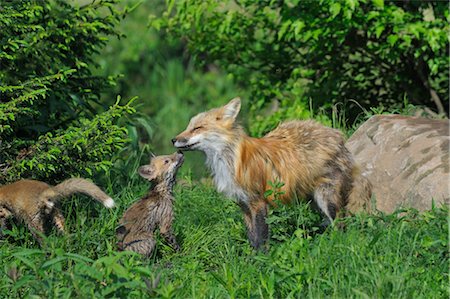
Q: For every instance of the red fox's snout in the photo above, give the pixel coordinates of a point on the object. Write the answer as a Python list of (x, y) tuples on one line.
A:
[(189, 139), (182, 143)]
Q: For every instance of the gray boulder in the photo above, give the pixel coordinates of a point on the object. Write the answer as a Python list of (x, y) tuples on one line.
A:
[(406, 159)]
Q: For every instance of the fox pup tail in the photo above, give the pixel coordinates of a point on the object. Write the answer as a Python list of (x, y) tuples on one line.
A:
[(76, 185), (360, 196)]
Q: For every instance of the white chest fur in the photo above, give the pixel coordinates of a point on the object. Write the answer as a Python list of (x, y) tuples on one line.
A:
[(223, 175)]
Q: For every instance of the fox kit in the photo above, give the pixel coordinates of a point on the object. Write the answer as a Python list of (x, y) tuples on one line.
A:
[(309, 158), (35, 202), (138, 224)]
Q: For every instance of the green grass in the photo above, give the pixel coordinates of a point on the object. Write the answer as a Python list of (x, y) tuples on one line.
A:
[(404, 255)]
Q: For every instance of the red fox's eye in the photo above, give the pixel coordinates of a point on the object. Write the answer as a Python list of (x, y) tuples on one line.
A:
[(196, 128), (166, 161)]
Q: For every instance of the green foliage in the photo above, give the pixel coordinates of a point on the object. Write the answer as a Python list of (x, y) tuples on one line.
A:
[(95, 279), (365, 51), (74, 150), (266, 119), (182, 93), (134, 55), (153, 66), (49, 98), (403, 255)]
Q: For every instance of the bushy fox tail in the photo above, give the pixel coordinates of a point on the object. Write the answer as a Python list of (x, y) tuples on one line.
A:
[(360, 195), (77, 185)]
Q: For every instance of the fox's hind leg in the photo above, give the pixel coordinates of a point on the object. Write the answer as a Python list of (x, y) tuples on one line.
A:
[(36, 226), (327, 198), (143, 245), (255, 215)]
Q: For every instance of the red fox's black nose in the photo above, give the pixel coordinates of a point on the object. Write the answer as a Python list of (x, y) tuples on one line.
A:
[(174, 140)]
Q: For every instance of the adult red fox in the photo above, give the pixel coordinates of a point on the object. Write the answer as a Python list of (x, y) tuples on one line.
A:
[(309, 158)]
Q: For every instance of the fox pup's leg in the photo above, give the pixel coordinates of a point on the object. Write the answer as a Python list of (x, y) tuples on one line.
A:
[(36, 226), (4, 215), (255, 215), (327, 198), (121, 232), (144, 244), (171, 240), (166, 231), (59, 220)]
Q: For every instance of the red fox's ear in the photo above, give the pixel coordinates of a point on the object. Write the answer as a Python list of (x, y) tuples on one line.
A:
[(232, 109), (147, 172)]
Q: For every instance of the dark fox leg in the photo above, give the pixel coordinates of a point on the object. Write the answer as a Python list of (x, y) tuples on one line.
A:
[(327, 199), (165, 230), (121, 232), (255, 219), (171, 240)]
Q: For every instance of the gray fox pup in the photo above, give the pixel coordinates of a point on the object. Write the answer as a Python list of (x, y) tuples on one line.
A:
[(155, 210), (35, 202)]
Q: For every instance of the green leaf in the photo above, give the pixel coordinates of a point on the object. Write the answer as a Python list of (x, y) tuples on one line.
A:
[(53, 261), (335, 9), (284, 27), (379, 30), (392, 38), (378, 3), (24, 280)]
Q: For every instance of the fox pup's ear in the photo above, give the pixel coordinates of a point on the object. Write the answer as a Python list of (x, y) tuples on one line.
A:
[(147, 172), (232, 109)]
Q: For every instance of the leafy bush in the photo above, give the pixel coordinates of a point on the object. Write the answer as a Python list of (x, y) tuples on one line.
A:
[(371, 52), (154, 66), (264, 120), (49, 98)]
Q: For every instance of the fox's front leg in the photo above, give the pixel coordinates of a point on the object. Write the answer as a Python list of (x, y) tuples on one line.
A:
[(171, 240), (255, 215), (166, 231)]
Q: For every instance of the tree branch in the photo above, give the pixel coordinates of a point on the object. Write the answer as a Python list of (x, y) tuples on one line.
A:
[(433, 94)]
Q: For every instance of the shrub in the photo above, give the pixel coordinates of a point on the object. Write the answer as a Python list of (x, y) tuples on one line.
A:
[(153, 66), (49, 98), (370, 52)]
